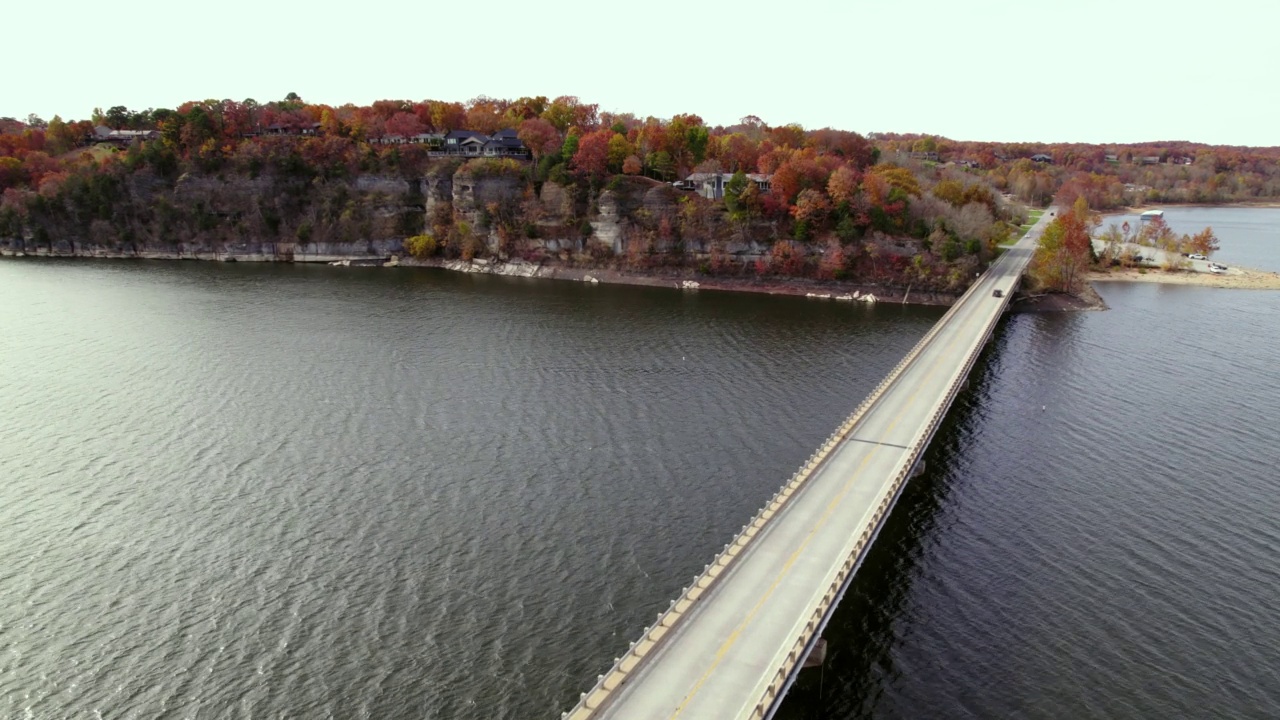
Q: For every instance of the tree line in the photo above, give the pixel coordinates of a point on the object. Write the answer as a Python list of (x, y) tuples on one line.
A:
[(832, 203)]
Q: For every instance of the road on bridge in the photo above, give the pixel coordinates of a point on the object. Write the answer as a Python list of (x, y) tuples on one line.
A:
[(722, 659)]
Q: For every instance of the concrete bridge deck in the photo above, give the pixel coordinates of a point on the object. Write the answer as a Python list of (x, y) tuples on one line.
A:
[(731, 645)]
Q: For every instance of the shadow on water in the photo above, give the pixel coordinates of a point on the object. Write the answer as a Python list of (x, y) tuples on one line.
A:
[(863, 631)]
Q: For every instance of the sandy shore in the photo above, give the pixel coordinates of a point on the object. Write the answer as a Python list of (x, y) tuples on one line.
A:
[(1236, 278)]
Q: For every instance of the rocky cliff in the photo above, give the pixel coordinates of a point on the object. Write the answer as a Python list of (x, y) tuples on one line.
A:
[(485, 209)]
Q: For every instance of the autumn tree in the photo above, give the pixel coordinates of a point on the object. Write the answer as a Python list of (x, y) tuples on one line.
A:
[(540, 136), (617, 151), (404, 124), (834, 262), (1204, 242), (1154, 233), (12, 173), (484, 115), (736, 152), (926, 144), (686, 139), (525, 108), (444, 116), (811, 207), (1065, 249), (592, 156), (61, 137), (849, 146), (567, 111), (329, 124), (802, 171), (897, 177), (843, 185), (791, 136)]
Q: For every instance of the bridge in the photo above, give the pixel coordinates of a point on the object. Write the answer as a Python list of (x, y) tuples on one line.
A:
[(733, 642)]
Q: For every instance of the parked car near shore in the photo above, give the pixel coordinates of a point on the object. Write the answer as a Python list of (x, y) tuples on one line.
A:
[(1197, 256)]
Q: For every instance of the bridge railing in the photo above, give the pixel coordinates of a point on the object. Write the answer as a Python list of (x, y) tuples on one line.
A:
[(595, 699), (796, 654)]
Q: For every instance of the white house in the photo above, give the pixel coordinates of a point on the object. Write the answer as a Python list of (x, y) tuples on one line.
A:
[(711, 185)]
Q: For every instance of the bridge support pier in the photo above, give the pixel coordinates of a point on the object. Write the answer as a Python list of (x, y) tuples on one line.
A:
[(817, 655)]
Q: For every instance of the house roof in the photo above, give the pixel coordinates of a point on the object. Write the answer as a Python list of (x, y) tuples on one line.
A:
[(509, 141), (464, 134), (703, 177), (130, 134)]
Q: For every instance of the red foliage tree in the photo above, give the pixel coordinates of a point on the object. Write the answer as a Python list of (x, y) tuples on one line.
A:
[(484, 115), (592, 157), (539, 136), (850, 146), (834, 262), (567, 111), (801, 172), (405, 124), (788, 136), (811, 207), (737, 153), (386, 108), (37, 164), (444, 116)]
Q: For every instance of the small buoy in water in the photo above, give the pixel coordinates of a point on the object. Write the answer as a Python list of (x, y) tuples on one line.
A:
[(1042, 407)]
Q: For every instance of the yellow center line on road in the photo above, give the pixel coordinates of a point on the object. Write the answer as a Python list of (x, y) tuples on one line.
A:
[(795, 555)]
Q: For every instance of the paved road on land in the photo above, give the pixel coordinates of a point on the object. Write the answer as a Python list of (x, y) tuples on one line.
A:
[(721, 657)]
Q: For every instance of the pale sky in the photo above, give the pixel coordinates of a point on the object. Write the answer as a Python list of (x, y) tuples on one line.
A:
[(1083, 71)]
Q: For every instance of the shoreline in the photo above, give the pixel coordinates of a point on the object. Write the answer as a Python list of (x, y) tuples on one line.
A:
[(687, 279), (1139, 209), (676, 278), (1087, 300)]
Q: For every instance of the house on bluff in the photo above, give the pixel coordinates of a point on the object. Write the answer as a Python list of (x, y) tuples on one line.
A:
[(711, 185), (103, 134), (469, 143)]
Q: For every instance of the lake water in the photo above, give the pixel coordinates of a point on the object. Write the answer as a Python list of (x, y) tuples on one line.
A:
[(1248, 236), (257, 491)]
